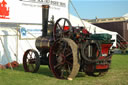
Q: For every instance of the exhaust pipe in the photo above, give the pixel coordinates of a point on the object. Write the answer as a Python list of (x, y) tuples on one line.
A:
[(45, 13), (42, 41)]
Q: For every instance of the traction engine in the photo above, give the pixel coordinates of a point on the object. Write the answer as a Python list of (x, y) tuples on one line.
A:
[(68, 50)]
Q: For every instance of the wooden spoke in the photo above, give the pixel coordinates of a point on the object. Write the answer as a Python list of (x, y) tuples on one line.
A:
[(58, 25), (64, 24)]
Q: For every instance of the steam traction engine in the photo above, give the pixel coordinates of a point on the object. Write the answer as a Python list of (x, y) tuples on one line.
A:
[(68, 50)]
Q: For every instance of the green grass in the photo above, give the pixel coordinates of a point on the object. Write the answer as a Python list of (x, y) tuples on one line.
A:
[(117, 75)]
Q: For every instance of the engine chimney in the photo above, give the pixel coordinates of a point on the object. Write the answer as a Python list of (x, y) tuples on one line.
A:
[(45, 12)]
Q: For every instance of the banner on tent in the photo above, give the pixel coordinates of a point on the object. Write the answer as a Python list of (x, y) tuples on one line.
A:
[(30, 11), (30, 31)]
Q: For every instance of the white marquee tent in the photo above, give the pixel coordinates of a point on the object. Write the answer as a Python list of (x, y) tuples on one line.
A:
[(13, 46)]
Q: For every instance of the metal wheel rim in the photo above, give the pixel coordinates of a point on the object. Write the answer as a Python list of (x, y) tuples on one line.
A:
[(31, 61), (61, 27), (75, 65)]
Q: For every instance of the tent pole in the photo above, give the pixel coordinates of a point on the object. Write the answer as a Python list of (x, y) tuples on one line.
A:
[(17, 44), (6, 54)]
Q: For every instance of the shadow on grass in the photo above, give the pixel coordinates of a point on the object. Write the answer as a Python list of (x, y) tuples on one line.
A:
[(81, 74), (43, 70)]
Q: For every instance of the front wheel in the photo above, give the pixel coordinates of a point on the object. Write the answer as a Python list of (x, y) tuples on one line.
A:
[(31, 61)]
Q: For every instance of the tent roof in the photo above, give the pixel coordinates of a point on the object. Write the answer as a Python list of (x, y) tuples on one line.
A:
[(126, 16), (90, 27)]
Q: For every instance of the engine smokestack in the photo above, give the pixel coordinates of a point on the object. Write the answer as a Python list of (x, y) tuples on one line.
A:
[(45, 13)]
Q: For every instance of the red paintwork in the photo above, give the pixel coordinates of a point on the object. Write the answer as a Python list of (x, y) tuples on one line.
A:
[(4, 11), (85, 31), (104, 50), (66, 28), (102, 66)]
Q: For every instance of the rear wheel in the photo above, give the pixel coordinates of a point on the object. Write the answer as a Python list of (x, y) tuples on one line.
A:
[(63, 59)]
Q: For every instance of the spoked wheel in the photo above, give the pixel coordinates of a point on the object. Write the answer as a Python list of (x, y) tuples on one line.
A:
[(62, 29), (31, 61), (64, 59), (91, 51)]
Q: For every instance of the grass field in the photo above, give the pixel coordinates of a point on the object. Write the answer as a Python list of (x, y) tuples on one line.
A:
[(117, 75)]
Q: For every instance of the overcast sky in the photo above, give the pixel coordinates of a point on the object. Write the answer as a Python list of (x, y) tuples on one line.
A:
[(89, 9)]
